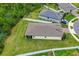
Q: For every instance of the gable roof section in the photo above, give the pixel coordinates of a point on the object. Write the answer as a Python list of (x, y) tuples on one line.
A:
[(44, 29), (66, 7), (51, 14)]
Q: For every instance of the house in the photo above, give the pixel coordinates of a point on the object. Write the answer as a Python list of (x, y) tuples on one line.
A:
[(51, 15), (66, 7), (51, 31)]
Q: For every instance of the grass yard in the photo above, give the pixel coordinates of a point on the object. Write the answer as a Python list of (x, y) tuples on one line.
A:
[(35, 13), (77, 35), (41, 54), (76, 4), (64, 25), (49, 53), (53, 5), (73, 52), (69, 17), (16, 43)]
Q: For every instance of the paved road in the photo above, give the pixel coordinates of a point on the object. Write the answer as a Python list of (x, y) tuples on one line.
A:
[(71, 32)]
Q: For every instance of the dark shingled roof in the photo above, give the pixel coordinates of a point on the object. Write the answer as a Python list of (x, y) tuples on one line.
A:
[(44, 29), (51, 14), (76, 27), (66, 7)]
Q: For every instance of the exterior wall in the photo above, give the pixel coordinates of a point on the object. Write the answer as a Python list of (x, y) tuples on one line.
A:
[(47, 38)]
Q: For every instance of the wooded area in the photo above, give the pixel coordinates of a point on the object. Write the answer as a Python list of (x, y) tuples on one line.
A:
[(10, 15)]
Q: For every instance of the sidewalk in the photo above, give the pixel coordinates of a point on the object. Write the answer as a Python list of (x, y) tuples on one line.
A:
[(42, 51)]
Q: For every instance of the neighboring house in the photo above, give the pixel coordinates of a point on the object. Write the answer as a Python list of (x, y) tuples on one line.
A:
[(50, 15), (51, 31), (66, 7)]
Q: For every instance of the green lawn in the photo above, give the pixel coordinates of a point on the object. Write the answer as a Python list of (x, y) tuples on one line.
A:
[(53, 5), (69, 17), (73, 52), (76, 4), (16, 43), (64, 25), (35, 13), (41, 54)]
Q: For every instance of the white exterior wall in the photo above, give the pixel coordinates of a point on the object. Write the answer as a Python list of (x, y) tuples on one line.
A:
[(47, 38)]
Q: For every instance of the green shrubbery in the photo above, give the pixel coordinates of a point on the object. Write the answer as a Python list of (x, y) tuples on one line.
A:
[(10, 14)]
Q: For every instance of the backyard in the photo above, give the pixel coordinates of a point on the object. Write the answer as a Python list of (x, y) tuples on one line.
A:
[(34, 14), (53, 6), (16, 43), (72, 52), (76, 4)]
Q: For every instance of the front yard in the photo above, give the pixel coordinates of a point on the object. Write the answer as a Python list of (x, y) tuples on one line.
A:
[(69, 17), (16, 43)]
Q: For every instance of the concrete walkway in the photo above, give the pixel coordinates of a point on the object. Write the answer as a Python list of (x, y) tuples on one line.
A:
[(43, 51)]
